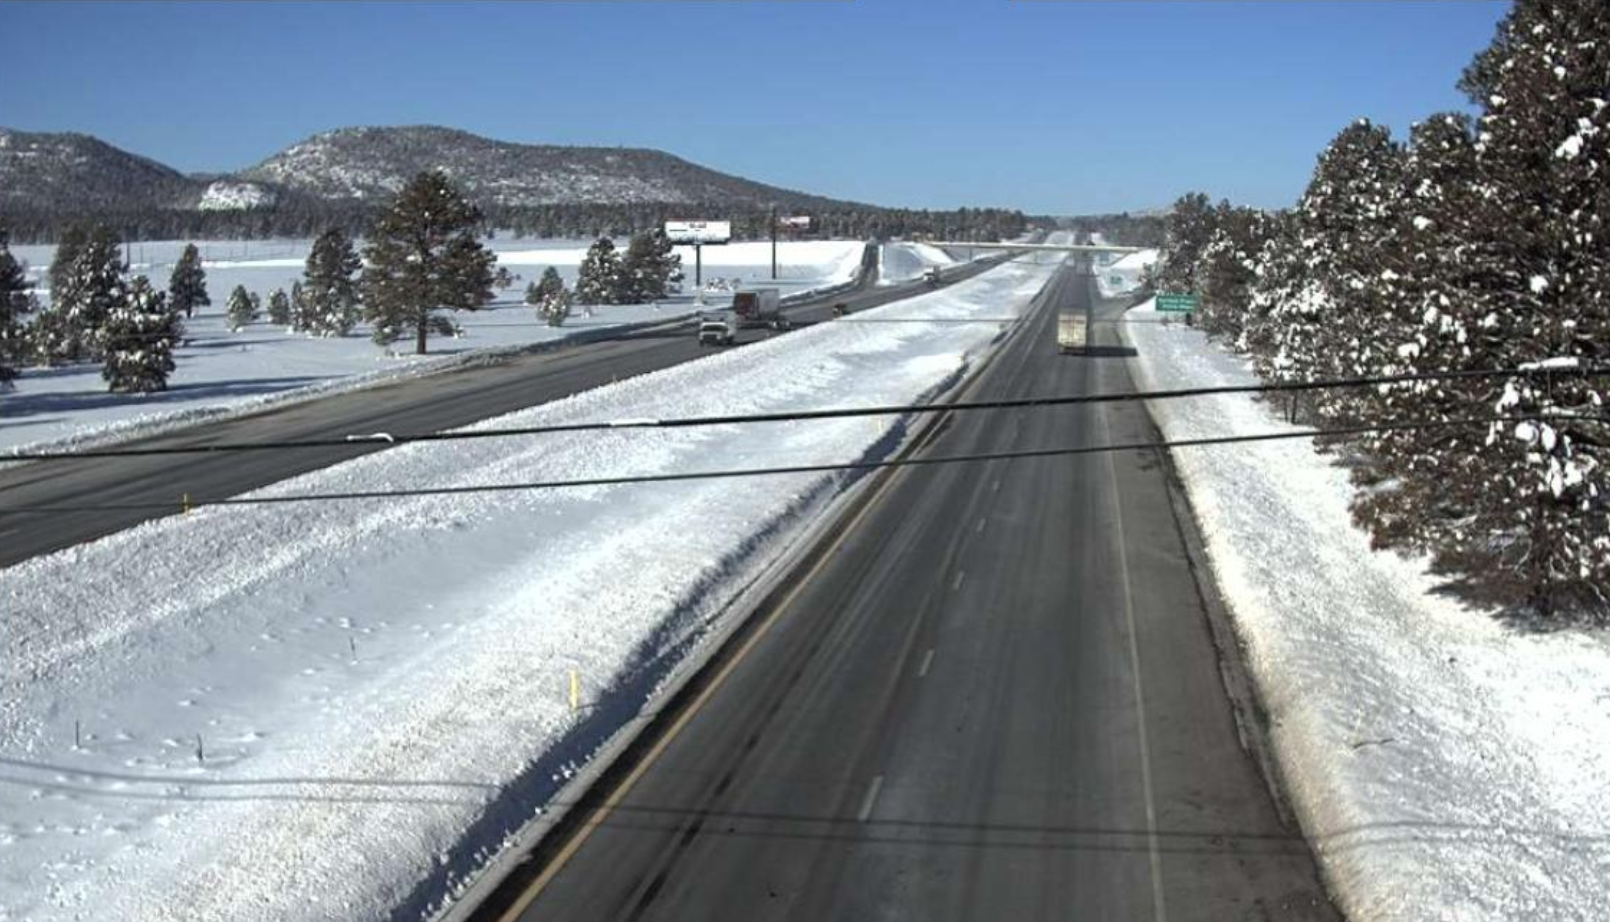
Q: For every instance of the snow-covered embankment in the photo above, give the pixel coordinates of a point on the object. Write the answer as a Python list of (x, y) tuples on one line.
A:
[(1444, 766), (296, 711)]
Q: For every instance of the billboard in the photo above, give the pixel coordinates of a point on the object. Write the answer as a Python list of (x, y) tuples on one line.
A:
[(698, 231), (795, 222)]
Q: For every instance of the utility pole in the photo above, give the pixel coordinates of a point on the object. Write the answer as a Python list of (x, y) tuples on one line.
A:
[(774, 241)]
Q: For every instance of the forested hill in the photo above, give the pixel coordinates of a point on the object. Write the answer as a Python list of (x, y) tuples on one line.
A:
[(337, 178)]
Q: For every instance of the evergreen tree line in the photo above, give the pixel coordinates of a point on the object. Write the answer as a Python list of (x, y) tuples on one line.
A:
[(1122, 229), (307, 217), (1479, 244)]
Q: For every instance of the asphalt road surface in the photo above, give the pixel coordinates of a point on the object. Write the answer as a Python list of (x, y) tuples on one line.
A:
[(424, 404), (996, 698)]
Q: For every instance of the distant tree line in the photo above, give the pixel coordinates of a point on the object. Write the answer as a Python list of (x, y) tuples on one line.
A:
[(1123, 229), (1479, 244), (303, 216)]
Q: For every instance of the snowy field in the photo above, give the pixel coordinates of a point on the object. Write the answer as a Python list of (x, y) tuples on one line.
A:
[(1444, 765), (297, 711), (222, 372)]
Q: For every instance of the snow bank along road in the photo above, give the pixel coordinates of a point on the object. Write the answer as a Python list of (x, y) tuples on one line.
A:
[(328, 711), (424, 404), (1446, 766), (995, 697)]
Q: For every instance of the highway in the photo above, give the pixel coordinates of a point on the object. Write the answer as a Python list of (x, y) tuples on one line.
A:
[(423, 404), (994, 694)]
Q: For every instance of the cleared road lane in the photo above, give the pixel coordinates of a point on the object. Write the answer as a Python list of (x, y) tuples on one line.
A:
[(996, 697)]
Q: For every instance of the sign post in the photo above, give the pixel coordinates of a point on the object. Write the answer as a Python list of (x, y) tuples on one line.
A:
[(698, 234)]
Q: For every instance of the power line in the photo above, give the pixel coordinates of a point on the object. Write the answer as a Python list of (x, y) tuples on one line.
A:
[(800, 415), (194, 503)]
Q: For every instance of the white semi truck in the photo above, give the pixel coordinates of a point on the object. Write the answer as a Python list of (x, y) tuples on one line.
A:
[(759, 307)]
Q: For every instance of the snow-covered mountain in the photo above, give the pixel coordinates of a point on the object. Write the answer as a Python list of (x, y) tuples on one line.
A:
[(369, 163), (75, 173)]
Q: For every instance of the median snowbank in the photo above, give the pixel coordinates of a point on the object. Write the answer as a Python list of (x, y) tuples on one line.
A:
[(224, 373), (902, 262), (332, 710), (1444, 765)]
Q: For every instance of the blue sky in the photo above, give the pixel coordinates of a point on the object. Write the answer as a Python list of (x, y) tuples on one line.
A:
[(1052, 106)]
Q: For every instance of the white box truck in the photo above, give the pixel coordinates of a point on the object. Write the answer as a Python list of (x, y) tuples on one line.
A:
[(1073, 331)]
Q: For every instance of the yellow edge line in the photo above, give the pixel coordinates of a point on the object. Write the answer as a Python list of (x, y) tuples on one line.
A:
[(598, 816)]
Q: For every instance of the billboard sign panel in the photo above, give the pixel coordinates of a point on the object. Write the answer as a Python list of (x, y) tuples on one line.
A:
[(706, 232)]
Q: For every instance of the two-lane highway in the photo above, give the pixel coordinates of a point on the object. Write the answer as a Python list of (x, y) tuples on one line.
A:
[(424, 404), (995, 697)]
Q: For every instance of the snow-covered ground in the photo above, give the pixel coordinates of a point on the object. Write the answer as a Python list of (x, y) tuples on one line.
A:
[(902, 262), (297, 711), (222, 372), (1122, 275), (1444, 765)]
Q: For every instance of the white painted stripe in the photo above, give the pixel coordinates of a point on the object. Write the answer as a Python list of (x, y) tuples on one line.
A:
[(1159, 911), (957, 582), (979, 528), (927, 660), (870, 799)]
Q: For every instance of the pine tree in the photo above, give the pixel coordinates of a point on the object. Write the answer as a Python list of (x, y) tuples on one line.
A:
[(1428, 326), (600, 280), (240, 310), (141, 333), (16, 300), (86, 284), (423, 256), (650, 265), (1539, 494), (279, 308), (1188, 228), (187, 287), (330, 289), (549, 297), (1227, 268), (1347, 223), (301, 316)]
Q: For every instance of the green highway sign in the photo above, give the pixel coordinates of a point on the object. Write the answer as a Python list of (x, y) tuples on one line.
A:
[(1176, 302)]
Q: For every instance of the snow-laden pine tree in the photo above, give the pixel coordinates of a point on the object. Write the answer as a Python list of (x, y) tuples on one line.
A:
[(86, 283), (1428, 326), (549, 297), (1539, 505), (423, 256), (330, 286), (1226, 269), (649, 267), (601, 279), (1347, 221), (240, 310), (187, 287), (140, 334), (1279, 279), (16, 301), (279, 308), (1187, 229)]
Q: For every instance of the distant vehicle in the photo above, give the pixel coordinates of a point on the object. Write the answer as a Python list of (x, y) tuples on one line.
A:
[(718, 328), (931, 275), (1073, 331), (840, 309), (759, 307)]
